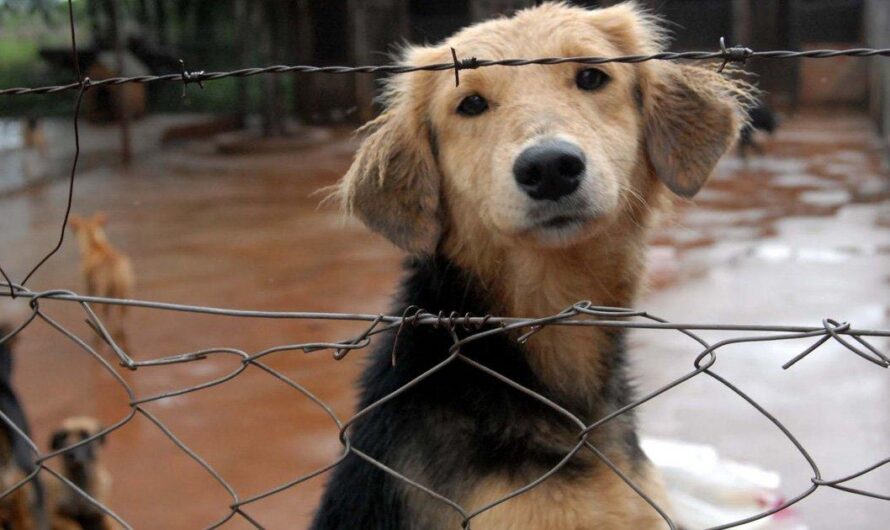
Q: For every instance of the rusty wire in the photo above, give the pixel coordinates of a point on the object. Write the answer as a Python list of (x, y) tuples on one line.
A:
[(732, 54), (474, 327)]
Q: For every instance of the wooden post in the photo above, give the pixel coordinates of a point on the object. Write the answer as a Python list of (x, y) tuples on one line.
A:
[(741, 23), (877, 35), (268, 26), (241, 11), (122, 99), (161, 22), (769, 30), (364, 84), (303, 43), (374, 26)]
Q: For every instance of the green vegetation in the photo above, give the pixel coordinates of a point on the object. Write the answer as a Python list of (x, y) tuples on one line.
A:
[(16, 54), (22, 33), (209, 35)]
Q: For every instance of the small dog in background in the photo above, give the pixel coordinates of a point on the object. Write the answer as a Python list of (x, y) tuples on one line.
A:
[(33, 136), (35, 150), (760, 118), (108, 273), (82, 466), (23, 508)]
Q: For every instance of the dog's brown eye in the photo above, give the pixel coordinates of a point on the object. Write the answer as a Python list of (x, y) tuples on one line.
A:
[(472, 105), (591, 79)]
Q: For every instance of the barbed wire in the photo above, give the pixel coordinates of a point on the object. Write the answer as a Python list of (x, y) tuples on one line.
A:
[(733, 54), (472, 328)]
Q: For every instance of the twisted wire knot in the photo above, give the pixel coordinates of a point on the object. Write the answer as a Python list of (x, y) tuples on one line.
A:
[(190, 77), (462, 64), (734, 54)]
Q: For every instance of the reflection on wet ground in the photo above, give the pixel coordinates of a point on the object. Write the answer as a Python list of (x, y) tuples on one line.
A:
[(794, 236), (99, 145)]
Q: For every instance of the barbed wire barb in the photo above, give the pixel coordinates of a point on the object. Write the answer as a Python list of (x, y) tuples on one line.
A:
[(734, 54)]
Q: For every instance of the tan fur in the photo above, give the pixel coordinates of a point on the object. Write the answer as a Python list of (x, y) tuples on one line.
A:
[(63, 502), (59, 523), (15, 508), (597, 500), (432, 180), (106, 271), (601, 500)]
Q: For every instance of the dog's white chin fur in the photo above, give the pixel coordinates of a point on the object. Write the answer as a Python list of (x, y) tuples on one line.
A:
[(563, 236)]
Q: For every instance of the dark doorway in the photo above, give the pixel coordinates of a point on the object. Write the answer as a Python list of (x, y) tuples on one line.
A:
[(433, 20)]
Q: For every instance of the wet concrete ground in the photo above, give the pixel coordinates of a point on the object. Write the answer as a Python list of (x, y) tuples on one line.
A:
[(797, 235), (100, 144)]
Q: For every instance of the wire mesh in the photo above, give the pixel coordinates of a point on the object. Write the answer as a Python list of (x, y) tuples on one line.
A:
[(472, 328)]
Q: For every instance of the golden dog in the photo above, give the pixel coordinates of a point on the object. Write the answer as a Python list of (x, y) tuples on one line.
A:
[(518, 193), (106, 271)]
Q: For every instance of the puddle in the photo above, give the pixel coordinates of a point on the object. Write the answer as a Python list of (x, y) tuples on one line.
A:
[(825, 198), (799, 180), (777, 252), (10, 134), (768, 163)]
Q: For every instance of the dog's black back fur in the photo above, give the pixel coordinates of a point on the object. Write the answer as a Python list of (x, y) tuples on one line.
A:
[(12, 408), (459, 423), (761, 118)]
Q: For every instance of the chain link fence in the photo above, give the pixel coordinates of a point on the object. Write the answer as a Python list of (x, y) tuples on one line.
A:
[(463, 329)]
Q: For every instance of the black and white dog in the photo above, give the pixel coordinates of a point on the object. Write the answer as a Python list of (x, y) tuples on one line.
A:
[(760, 118), (24, 508)]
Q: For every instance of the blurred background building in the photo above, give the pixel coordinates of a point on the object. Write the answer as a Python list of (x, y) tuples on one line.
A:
[(225, 34)]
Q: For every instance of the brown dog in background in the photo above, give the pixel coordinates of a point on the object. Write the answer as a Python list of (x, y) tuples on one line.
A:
[(33, 136), (83, 466), (107, 272), (15, 509), (22, 508)]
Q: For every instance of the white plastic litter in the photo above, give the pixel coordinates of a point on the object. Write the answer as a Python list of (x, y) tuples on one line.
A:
[(706, 490)]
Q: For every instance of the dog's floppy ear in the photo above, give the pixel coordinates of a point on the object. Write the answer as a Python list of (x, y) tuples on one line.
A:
[(75, 221), (58, 439), (101, 440), (692, 116), (393, 184)]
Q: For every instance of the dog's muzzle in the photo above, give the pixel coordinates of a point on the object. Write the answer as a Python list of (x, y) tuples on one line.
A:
[(550, 170)]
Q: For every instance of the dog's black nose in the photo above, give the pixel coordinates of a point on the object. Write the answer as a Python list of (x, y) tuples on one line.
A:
[(550, 170)]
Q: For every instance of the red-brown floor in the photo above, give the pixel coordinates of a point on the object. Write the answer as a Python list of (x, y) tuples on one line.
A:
[(247, 232)]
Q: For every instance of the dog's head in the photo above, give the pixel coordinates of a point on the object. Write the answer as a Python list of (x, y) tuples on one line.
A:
[(89, 230), (538, 155), (73, 430)]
